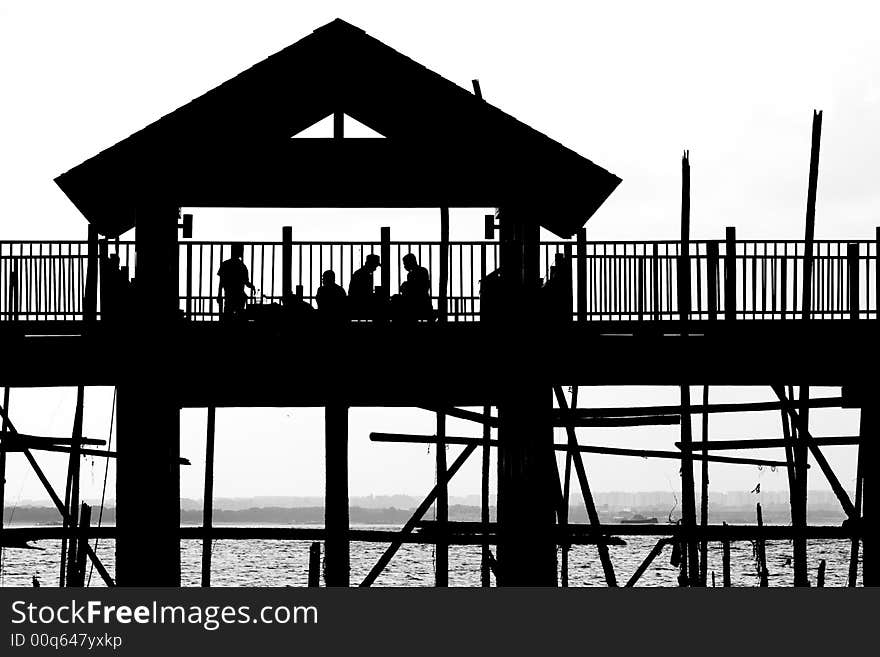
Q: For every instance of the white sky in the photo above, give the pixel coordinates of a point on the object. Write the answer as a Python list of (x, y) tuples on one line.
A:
[(628, 85)]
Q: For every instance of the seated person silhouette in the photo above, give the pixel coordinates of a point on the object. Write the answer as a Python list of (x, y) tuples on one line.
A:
[(414, 301), (362, 299), (296, 309), (331, 299), (234, 277)]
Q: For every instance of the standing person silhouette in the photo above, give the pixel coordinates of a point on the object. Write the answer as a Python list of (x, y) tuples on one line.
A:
[(361, 290), (234, 278)]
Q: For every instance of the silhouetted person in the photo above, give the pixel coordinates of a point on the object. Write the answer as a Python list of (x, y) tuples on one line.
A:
[(553, 297), (414, 300), (296, 309), (234, 278), (362, 298), (331, 299)]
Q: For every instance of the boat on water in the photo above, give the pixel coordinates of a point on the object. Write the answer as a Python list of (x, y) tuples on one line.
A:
[(638, 519)]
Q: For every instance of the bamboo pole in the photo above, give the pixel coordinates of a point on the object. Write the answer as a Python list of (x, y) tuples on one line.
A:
[(592, 514), (590, 449), (3, 433), (102, 571), (71, 493), (854, 549), (688, 506), (441, 554), (315, 565), (762, 551), (725, 560), (653, 554), (485, 570), (704, 490), (416, 516)]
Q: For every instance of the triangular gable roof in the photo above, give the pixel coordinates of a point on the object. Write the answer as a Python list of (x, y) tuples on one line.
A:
[(444, 146)]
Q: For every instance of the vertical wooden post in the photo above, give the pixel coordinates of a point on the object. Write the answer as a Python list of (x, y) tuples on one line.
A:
[(655, 281), (189, 280), (761, 549), (684, 261), (5, 430), (704, 490), (105, 287), (78, 574), (208, 498), (856, 541), (688, 504), (385, 257), (730, 273), (725, 559), (852, 267), (338, 125), (527, 475), (868, 435), (148, 414), (712, 278), (876, 275), (582, 275), (441, 556), (286, 261), (315, 565), (810, 226), (485, 567), (90, 304), (820, 575), (336, 513), (71, 495), (564, 270), (443, 289), (566, 502), (801, 577), (527, 500)]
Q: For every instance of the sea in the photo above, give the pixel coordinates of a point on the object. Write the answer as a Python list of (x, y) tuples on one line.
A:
[(286, 563)]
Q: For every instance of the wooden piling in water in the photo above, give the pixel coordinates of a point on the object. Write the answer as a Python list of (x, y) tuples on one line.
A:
[(820, 575), (869, 429), (485, 569), (315, 564), (688, 504), (77, 574), (725, 561), (208, 496), (441, 550), (704, 489), (761, 548), (336, 511), (5, 431), (71, 495)]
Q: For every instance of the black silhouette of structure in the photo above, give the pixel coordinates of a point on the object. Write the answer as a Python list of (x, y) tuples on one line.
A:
[(674, 313)]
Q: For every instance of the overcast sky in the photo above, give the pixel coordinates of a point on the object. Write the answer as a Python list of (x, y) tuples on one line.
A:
[(627, 84)]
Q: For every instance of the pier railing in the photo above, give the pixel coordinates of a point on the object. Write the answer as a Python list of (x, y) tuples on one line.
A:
[(610, 280)]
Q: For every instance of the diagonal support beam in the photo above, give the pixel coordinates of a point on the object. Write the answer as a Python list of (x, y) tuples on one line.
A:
[(805, 436), (442, 480), (593, 515), (59, 504)]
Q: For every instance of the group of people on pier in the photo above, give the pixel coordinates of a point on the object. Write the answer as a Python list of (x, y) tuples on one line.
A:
[(363, 301)]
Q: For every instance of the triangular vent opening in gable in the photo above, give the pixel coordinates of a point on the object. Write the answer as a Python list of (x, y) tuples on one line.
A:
[(351, 128)]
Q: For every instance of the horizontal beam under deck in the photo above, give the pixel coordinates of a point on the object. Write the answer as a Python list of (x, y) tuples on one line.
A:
[(453, 364)]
